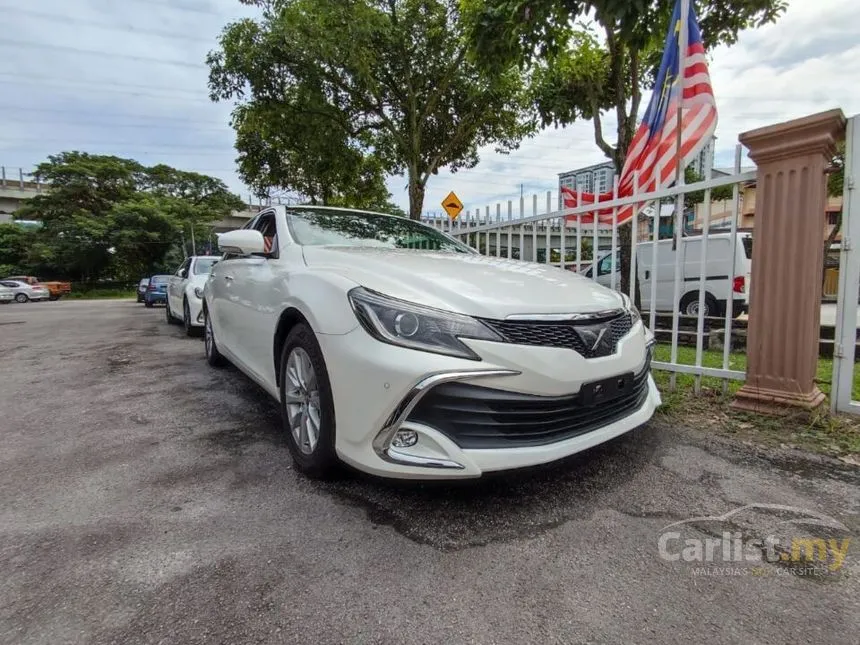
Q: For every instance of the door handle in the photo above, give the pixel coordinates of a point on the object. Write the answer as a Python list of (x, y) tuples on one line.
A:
[(228, 278), (647, 274)]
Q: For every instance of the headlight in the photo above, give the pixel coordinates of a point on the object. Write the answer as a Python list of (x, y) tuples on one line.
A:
[(198, 291), (629, 306), (415, 326)]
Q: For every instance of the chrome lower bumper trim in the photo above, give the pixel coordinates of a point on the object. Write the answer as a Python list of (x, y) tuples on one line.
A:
[(382, 441)]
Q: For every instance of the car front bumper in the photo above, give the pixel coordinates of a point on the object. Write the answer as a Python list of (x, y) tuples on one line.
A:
[(195, 311), (379, 389)]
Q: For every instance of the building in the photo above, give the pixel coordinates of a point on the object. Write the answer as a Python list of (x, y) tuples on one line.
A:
[(598, 178), (705, 158), (721, 213)]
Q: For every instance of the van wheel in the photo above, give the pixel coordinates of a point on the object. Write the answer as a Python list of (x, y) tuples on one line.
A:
[(690, 305)]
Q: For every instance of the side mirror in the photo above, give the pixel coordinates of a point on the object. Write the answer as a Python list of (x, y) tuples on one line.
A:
[(242, 242)]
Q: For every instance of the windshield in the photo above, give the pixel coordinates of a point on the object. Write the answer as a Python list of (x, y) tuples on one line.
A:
[(321, 227), (158, 279), (204, 265)]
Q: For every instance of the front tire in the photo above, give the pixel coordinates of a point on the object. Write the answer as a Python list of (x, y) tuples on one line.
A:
[(213, 356), (21, 297), (190, 330), (307, 405)]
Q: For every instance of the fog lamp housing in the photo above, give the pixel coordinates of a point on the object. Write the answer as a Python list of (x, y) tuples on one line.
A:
[(404, 439)]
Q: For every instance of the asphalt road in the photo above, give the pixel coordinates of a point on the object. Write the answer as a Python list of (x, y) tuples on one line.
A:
[(146, 498)]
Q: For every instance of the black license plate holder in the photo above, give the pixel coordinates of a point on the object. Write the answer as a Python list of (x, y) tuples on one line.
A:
[(597, 392)]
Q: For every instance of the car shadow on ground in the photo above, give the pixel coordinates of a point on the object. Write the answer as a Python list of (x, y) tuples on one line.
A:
[(452, 515)]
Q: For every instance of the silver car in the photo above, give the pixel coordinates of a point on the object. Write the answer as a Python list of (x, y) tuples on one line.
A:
[(6, 295), (22, 292)]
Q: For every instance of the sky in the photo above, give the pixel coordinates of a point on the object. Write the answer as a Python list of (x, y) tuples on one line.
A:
[(128, 77)]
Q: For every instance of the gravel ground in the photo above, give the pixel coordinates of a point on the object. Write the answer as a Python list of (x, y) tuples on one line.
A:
[(146, 498)]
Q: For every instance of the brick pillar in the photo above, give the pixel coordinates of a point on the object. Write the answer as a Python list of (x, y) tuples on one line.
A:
[(785, 294)]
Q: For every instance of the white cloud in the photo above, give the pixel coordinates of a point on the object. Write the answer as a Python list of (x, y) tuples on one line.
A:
[(56, 98)]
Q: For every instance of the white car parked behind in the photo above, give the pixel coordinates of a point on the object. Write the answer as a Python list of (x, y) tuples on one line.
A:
[(6, 295), (401, 351), (22, 292), (185, 292)]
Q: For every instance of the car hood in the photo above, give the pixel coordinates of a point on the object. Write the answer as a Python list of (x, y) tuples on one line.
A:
[(466, 283)]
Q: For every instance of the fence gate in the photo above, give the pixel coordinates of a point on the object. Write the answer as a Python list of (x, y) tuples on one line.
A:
[(539, 229), (843, 398)]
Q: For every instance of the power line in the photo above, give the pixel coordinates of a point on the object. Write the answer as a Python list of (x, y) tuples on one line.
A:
[(102, 54), (120, 125), (100, 25), (158, 117), (109, 83), (161, 97), (174, 5)]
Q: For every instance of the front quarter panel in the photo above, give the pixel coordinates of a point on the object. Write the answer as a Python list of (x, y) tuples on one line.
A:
[(321, 297)]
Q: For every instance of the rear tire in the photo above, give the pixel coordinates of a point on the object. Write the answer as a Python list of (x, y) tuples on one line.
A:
[(147, 304), (21, 297), (307, 405), (210, 347)]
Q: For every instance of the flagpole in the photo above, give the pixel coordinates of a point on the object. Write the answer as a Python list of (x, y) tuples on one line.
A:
[(683, 44)]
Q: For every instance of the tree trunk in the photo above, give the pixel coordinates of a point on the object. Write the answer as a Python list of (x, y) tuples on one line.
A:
[(416, 197)]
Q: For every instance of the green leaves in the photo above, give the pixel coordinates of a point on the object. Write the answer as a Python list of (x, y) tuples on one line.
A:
[(105, 215), (333, 96)]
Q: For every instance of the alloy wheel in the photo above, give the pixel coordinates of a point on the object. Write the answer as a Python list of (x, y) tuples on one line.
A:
[(302, 399), (207, 335)]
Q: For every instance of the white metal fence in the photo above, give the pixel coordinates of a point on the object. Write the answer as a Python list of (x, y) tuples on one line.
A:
[(528, 231), (842, 393)]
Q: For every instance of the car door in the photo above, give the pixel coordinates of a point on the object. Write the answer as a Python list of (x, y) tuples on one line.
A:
[(175, 286), (222, 300), (254, 280)]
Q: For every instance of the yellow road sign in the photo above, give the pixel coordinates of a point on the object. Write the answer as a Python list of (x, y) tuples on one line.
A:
[(452, 205)]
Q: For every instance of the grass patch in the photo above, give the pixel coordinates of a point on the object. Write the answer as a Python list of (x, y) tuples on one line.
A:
[(98, 294), (817, 431)]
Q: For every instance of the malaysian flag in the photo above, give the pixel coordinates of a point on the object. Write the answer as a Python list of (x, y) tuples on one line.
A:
[(654, 149)]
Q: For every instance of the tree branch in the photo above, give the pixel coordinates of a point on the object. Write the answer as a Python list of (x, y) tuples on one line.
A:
[(608, 150)]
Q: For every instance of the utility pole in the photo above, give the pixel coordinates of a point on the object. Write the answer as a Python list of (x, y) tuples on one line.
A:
[(193, 245)]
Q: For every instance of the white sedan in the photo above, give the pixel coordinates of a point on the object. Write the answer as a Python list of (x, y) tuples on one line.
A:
[(6, 295), (402, 352), (185, 292), (22, 292)]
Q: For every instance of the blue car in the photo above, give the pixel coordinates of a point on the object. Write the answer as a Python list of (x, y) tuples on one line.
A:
[(156, 292)]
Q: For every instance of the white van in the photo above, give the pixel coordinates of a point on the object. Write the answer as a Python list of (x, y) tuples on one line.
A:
[(722, 280)]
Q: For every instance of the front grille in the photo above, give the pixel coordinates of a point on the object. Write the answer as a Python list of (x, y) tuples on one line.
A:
[(563, 333), (480, 417)]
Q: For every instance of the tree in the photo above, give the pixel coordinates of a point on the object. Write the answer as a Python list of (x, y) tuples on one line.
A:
[(13, 248), (835, 186), (107, 214), (331, 89), (718, 194), (587, 58)]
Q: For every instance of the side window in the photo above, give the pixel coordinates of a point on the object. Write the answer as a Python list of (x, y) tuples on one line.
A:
[(267, 226), (604, 267)]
